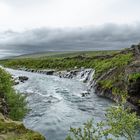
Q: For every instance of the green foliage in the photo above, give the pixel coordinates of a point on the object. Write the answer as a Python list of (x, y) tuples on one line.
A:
[(106, 84), (100, 65), (134, 76), (16, 102), (122, 93), (88, 132), (120, 122), (117, 61)]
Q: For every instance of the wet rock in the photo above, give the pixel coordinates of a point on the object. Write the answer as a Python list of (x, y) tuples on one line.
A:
[(50, 72), (16, 82), (134, 88), (23, 78), (32, 70), (3, 105), (86, 93)]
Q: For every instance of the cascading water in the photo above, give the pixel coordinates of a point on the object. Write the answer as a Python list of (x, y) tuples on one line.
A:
[(57, 104)]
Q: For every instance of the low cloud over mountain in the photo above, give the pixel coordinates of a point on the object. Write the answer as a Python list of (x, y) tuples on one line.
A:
[(109, 36)]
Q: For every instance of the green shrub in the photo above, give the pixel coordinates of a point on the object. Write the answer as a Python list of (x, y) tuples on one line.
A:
[(119, 123), (15, 101), (117, 61), (134, 76), (106, 84)]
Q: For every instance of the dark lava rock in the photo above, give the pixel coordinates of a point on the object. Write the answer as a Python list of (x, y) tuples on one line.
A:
[(16, 82), (134, 88), (3, 106), (23, 78), (51, 72), (85, 93)]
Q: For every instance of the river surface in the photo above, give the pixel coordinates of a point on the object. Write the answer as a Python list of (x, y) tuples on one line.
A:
[(56, 104)]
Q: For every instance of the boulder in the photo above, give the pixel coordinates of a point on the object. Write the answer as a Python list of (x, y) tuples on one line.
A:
[(86, 93), (16, 82), (23, 78), (3, 105), (50, 72)]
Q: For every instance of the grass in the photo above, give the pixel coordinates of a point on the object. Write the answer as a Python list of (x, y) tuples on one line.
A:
[(62, 63), (13, 130), (60, 54), (117, 61)]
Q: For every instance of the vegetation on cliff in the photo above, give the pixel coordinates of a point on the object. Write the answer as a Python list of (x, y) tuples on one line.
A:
[(124, 80), (134, 76)]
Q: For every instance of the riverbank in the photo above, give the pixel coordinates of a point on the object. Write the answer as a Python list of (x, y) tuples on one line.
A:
[(12, 110), (116, 75)]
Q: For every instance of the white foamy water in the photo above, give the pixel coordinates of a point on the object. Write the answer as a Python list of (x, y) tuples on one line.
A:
[(56, 104)]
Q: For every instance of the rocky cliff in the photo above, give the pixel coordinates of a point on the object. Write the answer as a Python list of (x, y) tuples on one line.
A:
[(122, 81)]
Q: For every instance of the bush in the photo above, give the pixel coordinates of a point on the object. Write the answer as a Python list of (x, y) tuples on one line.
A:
[(134, 76), (120, 122), (15, 101)]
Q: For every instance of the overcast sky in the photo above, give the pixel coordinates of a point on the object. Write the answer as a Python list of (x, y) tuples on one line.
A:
[(26, 14), (41, 25)]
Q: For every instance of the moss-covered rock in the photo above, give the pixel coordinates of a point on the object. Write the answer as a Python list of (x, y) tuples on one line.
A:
[(123, 81), (14, 130)]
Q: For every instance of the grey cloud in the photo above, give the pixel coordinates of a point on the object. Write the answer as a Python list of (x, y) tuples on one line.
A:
[(108, 37)]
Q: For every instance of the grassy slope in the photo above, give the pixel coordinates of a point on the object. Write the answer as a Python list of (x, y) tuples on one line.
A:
[(14, 130), (66, 54)]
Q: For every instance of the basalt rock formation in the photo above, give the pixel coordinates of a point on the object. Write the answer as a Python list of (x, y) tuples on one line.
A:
[(128, 82)]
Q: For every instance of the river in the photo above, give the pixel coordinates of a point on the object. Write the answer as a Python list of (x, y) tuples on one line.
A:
[(56, 104)]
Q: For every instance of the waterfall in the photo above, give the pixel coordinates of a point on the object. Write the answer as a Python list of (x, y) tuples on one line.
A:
[(86, 75)]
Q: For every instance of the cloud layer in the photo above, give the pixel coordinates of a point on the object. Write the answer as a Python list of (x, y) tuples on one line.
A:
[(108, 37)]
